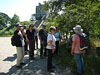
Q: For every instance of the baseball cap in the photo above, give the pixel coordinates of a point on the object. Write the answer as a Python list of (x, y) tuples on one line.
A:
[(44, 25)]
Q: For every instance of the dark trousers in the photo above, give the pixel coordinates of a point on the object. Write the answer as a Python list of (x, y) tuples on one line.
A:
[(36, 42), (57, 47), (41, 50), (49, 61), (31, 48), (26, 45)]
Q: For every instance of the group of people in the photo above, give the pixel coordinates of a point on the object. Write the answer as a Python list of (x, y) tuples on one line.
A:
[(27, 37), (49, 45)]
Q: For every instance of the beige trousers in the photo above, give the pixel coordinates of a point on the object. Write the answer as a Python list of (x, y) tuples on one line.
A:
[(20, 55)]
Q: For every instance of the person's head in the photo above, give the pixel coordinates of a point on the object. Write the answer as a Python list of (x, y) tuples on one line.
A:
[(44, 26), (31, 26), (18, 26), (52, 29), (78, 30)]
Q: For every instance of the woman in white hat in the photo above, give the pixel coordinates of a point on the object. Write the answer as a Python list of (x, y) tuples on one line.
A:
[(50, 48), (76, 49)]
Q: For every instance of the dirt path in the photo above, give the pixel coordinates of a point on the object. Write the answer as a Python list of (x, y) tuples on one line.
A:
[(34, 67)]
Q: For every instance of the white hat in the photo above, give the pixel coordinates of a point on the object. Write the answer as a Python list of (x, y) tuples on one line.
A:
[(78, 29), (52, 27)]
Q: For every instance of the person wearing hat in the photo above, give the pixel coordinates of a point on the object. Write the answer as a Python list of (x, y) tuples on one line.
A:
[(19, 45), (51, 48), (43, 40), (76, 49), (30, 37)]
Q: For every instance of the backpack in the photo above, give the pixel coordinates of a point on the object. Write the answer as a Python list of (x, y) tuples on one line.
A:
[(13, 41), (84, 41)]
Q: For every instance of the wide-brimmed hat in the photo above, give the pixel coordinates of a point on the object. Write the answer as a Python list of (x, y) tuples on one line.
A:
[(53, 27), (18, 25), (78, 29)]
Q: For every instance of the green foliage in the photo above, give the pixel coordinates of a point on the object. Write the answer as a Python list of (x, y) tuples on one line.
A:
[(4, 18), (48, 24), (25, 23), (9, 30), (83, 12), (15, 20), (2, 22)]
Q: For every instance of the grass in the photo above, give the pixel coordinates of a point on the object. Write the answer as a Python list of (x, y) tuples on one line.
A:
[(92, 63)]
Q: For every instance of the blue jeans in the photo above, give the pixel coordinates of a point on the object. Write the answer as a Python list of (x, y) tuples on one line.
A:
[(79, 63)]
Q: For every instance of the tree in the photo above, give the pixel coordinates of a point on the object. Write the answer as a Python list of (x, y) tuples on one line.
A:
[(4, 18), (15, 19), (2, 22), (82, 12), (25, 23)]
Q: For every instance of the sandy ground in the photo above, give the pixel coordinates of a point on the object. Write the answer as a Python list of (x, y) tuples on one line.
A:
[(34, 67)]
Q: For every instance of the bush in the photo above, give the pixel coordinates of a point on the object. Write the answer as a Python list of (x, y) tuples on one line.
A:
[(92, 63)]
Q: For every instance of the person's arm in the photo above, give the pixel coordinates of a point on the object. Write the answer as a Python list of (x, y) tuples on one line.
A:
[(27, 36), (50, 43), (73, 45)]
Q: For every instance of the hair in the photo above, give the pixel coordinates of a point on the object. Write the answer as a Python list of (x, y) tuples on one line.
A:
[(31, 25), (51, 29)]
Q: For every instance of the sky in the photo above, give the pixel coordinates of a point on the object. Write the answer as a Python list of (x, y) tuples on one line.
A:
[(23, 8)]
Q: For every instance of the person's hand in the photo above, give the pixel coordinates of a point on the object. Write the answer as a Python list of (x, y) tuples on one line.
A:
[(72, 53), (53, 50), (19, 34)]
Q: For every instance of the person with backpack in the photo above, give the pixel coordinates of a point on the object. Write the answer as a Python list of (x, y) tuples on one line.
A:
[(58, 38), (51, 48), (31, 40), (78, 48), (43, 41), (19, 45)]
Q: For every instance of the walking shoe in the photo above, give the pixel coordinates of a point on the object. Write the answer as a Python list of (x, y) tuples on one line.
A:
[(50, 70), (20, 67), (23, 63)]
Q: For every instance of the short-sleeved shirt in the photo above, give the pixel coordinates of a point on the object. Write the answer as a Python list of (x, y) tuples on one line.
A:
[(30, 34), (19, 39), (51, 37), (43, 34), (57, 36), (77, 43)]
